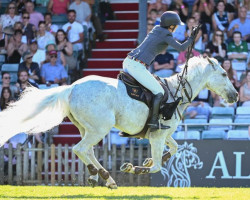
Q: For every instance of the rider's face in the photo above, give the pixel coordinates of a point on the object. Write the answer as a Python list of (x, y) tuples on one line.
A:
[(172, 28)]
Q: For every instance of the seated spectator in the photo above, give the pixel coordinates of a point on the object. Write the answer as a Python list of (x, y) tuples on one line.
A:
[(158, 17), (66, 48), (38, 54), (221, 18), (3, 39), (6, 98), (31, 67), (237, 49), (53, 73), (6, 83), (182, 8), (58, 7), (241, 24), (43, 36), (153, 16), (245, 91), (10, 17), (16, 48), (200, 105), (163, 65), (19, 26), (179, 33), (20, 4), (28, 29), (158, 5), (183, 57), (205, 7), (150, 25), (217, 46), (230, 8), (52, 28), (23, 81), (82, 9), (51, 46), (197, 18), (232, 75), (83, 16), (35, 17), (98, 20), (198, 40), (74, 32)]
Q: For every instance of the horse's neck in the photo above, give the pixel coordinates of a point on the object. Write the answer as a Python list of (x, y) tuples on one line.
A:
[(197, 80)]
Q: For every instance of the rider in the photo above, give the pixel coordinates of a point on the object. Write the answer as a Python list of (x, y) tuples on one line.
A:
[(140, 58)]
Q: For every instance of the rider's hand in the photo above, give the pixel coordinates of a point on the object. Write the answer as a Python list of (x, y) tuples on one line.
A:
[(194, 30)]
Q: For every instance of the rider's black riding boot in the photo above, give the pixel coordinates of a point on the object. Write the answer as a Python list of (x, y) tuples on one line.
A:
[(154, 123)]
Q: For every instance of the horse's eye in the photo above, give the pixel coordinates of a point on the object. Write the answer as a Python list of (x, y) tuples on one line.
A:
[(224, 74)]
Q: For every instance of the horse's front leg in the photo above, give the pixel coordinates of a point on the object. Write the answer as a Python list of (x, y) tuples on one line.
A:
[(173, 146), (157, 141)]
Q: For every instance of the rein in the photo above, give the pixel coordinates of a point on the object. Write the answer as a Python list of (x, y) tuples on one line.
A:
[(182, 80)]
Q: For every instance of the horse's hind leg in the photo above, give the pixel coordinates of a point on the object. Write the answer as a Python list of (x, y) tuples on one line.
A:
[(101, 171), (93, 179)]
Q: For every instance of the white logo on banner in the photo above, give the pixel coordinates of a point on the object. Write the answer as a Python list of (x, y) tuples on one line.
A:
[(176, 169)]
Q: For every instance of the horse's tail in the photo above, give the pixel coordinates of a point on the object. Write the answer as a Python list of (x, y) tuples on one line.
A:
[(36, 111)]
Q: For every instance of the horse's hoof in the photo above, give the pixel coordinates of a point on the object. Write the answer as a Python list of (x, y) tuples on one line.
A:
[(141, 170), (111, 186), (148, 162), (126, 167), (92, 182)]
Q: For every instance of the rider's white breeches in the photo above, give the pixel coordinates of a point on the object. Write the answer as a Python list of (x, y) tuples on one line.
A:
[(142, 75)]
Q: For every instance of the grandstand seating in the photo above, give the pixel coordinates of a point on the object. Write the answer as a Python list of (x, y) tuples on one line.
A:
[(190, 135), (41, 9), (212, 134), (243, 112), (196, 121), (243, 121), (238, 135), (59, 20), (223, 124), (222, 112)]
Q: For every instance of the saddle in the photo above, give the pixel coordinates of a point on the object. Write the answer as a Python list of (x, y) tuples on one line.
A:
[(137, 91)]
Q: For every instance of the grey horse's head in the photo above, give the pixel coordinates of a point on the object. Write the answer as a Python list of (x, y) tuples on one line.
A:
[(219, 82)]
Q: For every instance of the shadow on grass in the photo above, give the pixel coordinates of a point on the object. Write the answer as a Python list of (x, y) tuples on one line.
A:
[(146, 197)]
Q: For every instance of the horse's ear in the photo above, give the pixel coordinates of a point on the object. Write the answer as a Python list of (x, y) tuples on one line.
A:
[(210, 62)]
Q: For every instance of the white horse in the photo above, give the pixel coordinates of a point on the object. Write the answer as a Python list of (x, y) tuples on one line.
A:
[(96, 104)]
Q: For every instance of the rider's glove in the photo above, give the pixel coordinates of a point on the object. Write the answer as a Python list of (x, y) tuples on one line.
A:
[(194, 32)]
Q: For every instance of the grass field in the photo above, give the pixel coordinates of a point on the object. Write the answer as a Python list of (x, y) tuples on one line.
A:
[(138, 193)]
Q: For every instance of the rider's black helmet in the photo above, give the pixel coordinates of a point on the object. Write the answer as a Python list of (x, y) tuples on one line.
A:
[(169, 18)]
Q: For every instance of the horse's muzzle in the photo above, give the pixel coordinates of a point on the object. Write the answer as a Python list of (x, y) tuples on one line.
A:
[(233, 97)]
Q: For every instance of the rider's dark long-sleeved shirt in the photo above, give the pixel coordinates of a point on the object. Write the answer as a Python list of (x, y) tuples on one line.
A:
[(155, 42)]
